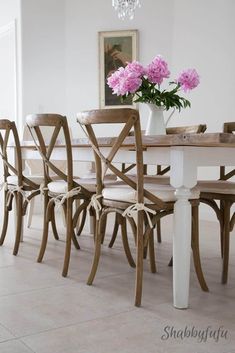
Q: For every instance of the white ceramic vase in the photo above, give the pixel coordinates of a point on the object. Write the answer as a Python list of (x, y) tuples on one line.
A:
[(156, 124)]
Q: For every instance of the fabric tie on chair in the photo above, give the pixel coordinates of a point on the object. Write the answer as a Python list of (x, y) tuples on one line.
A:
[(42, 189), (18, 189), (96, 205), (132, 210), (60, 199)]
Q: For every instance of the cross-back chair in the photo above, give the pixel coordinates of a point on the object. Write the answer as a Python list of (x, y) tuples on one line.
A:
[(222, 190), (161, 172), (131, 197), (15, 184), (61, 192), (35, 168)]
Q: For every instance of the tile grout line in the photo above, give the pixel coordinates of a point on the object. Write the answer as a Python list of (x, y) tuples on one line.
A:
[(75, 324)]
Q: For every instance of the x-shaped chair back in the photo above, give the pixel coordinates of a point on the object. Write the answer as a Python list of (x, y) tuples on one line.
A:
[(129, 118), (9, 136)]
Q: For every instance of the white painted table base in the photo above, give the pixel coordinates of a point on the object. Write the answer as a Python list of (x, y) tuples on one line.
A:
[(183, 176)]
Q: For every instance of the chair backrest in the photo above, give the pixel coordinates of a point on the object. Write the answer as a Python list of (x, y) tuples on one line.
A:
[(129, 118), (9, 136), (227, 128), (56, 124), (35, 166), (191, 129)]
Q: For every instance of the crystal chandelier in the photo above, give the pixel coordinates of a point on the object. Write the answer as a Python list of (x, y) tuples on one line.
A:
[(125, 8)]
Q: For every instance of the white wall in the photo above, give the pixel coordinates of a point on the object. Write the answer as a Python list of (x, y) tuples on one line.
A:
[(203, 37), (43, 56), (9, 10), (10, 59)]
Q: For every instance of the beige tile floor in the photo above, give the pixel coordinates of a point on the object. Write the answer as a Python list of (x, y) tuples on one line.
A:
[(42, 312)]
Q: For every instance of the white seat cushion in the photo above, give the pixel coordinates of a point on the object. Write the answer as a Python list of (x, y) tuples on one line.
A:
[(217, 186), (159, 179), (92, 176), (13, 179), (60, 186), (126, 194)]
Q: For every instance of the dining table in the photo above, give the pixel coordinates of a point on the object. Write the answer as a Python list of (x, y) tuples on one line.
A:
[(184, 153)]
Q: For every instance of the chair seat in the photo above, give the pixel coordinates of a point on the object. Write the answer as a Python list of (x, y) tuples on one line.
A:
[(159, 179), (61, 187), (217, 186), (125, 193), (13, 179), (92, 176)]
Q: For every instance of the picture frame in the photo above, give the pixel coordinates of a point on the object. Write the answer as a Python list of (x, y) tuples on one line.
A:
[(116, 48)]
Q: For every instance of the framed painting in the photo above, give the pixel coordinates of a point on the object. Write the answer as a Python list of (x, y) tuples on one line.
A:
[(116, 48)]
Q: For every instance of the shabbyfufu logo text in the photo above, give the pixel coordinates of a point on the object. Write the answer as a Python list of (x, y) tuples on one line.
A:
[(202, 335)]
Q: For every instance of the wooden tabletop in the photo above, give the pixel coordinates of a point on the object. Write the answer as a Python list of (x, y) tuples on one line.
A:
[(197, 140)]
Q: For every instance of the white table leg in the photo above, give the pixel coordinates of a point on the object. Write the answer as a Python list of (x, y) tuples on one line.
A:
[(183, 178), (181, 248)]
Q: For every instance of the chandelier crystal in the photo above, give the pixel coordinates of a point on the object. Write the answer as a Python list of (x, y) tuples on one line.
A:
[(125, 8)]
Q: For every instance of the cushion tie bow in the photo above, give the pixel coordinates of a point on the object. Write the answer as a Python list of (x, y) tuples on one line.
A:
[(60, 199), (132, 210), (96, 205)]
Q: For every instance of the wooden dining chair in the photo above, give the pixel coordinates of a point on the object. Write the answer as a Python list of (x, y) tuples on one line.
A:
[(161, 175), (62, 192), (222, 190), (35, 168), (17, 186), (149, 202)]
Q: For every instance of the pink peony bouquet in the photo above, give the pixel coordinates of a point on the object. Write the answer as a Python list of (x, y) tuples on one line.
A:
[(144, 84)]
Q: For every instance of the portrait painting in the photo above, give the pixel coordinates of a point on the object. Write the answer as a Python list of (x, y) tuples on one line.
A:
[(116, 48)]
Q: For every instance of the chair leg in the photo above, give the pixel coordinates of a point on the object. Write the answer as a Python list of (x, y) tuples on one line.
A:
[(75, 242), (170, 264), (46, 220), (82, 223), (159, 236), (69, 232), (195, 249), (152, 253), (98, 238), (222, 227), (139, 260), (102, 226), (226, 236), (145, 252), (115, 231), (5, 220), (77, 204), (133, 227), (19, 210), (126, 243), (30, 212), (53, 224), (63, 218)]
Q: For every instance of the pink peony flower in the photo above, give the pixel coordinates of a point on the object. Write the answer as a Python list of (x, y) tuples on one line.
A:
[(188, 79), (113, 80), (157, 70), (123, 82), (135, 67)]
